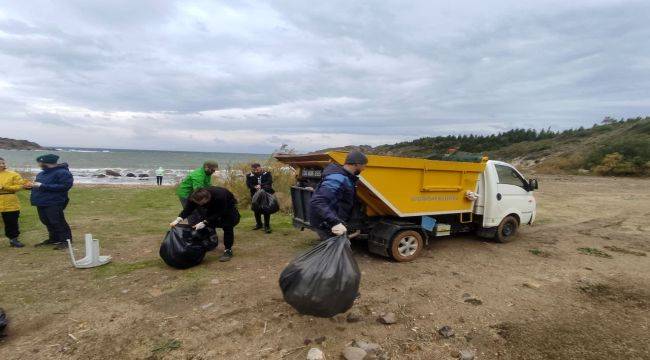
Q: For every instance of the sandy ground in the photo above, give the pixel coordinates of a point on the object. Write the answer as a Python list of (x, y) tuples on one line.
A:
[(540, 297)]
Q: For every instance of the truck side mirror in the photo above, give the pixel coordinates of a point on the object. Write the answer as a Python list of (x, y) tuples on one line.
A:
[(532, 184)]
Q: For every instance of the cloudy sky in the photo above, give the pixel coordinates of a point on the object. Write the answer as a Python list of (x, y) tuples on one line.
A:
[(248, 76)]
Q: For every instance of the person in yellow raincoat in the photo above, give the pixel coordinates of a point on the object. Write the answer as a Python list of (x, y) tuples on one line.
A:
[(10, 183)]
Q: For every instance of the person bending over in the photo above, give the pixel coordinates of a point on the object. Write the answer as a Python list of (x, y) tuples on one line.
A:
[(219, 211)]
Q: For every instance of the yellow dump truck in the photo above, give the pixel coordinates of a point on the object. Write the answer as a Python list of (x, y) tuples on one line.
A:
[(404, 202)]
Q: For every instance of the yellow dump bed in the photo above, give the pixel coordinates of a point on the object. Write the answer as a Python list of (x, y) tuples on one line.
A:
[(398, 186)]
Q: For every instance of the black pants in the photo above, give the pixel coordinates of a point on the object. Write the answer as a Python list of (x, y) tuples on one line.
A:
[(10, 218), (267, 219), (159, 180), (228, 237), (54, 219)]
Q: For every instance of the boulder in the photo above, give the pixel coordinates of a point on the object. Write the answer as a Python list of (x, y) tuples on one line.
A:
[(354, 353), (100, 176), (143, 175), (387, 318), (370, 348), (446, 331), (112, 173), (466, 355), (315, 354), (131, 175)]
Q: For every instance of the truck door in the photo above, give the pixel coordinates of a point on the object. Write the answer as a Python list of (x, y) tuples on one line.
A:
[(512, 194)]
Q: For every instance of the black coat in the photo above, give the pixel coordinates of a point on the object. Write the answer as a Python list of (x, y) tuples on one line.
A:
[(221, 211), (264, 179)]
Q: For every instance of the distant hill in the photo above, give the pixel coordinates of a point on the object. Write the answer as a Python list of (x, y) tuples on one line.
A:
[(613, 147), (12, 144)]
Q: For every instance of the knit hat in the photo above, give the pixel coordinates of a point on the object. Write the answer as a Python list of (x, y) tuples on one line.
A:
[(356, 157), (48, 159)]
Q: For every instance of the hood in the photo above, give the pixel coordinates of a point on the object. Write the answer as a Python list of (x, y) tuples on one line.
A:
[(338, 169)]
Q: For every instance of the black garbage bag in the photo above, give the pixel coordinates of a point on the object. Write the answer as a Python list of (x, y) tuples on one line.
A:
[(324, 281), (3, 322), (182, 248), (264, 202)]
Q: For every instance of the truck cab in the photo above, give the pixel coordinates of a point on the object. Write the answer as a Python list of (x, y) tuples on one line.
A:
[(403, 203)]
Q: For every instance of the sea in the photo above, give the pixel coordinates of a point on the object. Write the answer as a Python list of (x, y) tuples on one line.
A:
[(136, 167)]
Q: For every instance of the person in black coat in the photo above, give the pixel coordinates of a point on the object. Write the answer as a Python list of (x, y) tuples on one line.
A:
[(259, 179), (219, 211)]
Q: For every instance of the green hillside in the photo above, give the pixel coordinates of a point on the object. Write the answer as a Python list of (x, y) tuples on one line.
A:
[(614, 147)]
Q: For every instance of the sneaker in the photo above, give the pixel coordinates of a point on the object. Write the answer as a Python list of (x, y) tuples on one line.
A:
[(257, 227), (61, 246), (268, 230), (227, 255), (46, 243), (16, 243)]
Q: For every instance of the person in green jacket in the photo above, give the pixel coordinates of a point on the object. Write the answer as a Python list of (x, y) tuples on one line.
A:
[(197, 179)]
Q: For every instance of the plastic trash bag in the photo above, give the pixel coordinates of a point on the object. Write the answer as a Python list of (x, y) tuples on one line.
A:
[(264, 202), (3, 322), (324, 281), (183, 247)]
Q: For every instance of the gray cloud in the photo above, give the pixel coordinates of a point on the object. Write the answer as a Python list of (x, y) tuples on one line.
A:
[(244, 76)]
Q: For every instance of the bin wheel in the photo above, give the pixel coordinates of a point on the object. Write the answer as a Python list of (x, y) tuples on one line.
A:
[(406, 245), (507, 230)]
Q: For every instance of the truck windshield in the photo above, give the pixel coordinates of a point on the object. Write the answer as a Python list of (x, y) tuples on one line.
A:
[(508, 175)]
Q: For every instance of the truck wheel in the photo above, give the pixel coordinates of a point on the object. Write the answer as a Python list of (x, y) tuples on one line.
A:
[(507, 230), (406, 245)]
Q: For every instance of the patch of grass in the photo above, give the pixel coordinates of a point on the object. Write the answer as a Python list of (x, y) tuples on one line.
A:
[(117, 268), (166, 346), (538, 252), (624, 251), (594, 252)]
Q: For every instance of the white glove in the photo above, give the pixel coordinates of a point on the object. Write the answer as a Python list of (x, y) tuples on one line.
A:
[(175, 222), (36, 184), (339, 229), (199, 226)]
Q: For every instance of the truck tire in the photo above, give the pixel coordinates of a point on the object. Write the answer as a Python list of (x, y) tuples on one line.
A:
[(507, 230), (406, 245)]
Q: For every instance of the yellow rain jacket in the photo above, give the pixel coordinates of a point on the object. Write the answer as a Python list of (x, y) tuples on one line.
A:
[(10, 183)]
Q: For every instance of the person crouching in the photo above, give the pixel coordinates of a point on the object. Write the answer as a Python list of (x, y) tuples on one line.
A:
[(219, 211)]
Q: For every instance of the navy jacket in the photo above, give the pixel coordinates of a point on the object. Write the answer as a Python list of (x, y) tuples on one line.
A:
[(55, 184), (265, 179), (333, 199)]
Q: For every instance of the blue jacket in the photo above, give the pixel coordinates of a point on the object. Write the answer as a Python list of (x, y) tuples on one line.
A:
[(55, 184), (333, 199)]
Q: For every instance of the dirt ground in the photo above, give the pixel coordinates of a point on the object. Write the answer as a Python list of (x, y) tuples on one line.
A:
[(540, 296)]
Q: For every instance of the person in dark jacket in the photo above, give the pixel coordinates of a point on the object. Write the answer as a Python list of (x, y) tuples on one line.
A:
[(332, 201), (258, 179), (219, 211), (50, 196)]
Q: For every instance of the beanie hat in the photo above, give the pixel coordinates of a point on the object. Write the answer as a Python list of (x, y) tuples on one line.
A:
[(48, 159), (356, 157)]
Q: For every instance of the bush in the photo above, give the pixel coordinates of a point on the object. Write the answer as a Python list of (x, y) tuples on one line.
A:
[(615, 164)]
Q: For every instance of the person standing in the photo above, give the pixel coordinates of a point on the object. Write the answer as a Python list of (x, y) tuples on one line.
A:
[(50, 196), (332, 202), (10, 183), (160, 172), (197, 179), (259, 179), (220, 211)]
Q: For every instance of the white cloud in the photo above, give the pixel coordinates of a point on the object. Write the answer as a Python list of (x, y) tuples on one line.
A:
[(247, 76)]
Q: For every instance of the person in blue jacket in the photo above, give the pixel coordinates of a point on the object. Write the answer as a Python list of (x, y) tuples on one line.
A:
[(332, 201), (50, 196)]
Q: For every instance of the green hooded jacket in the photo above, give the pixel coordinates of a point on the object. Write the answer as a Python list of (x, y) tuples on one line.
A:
[(195, 180)]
